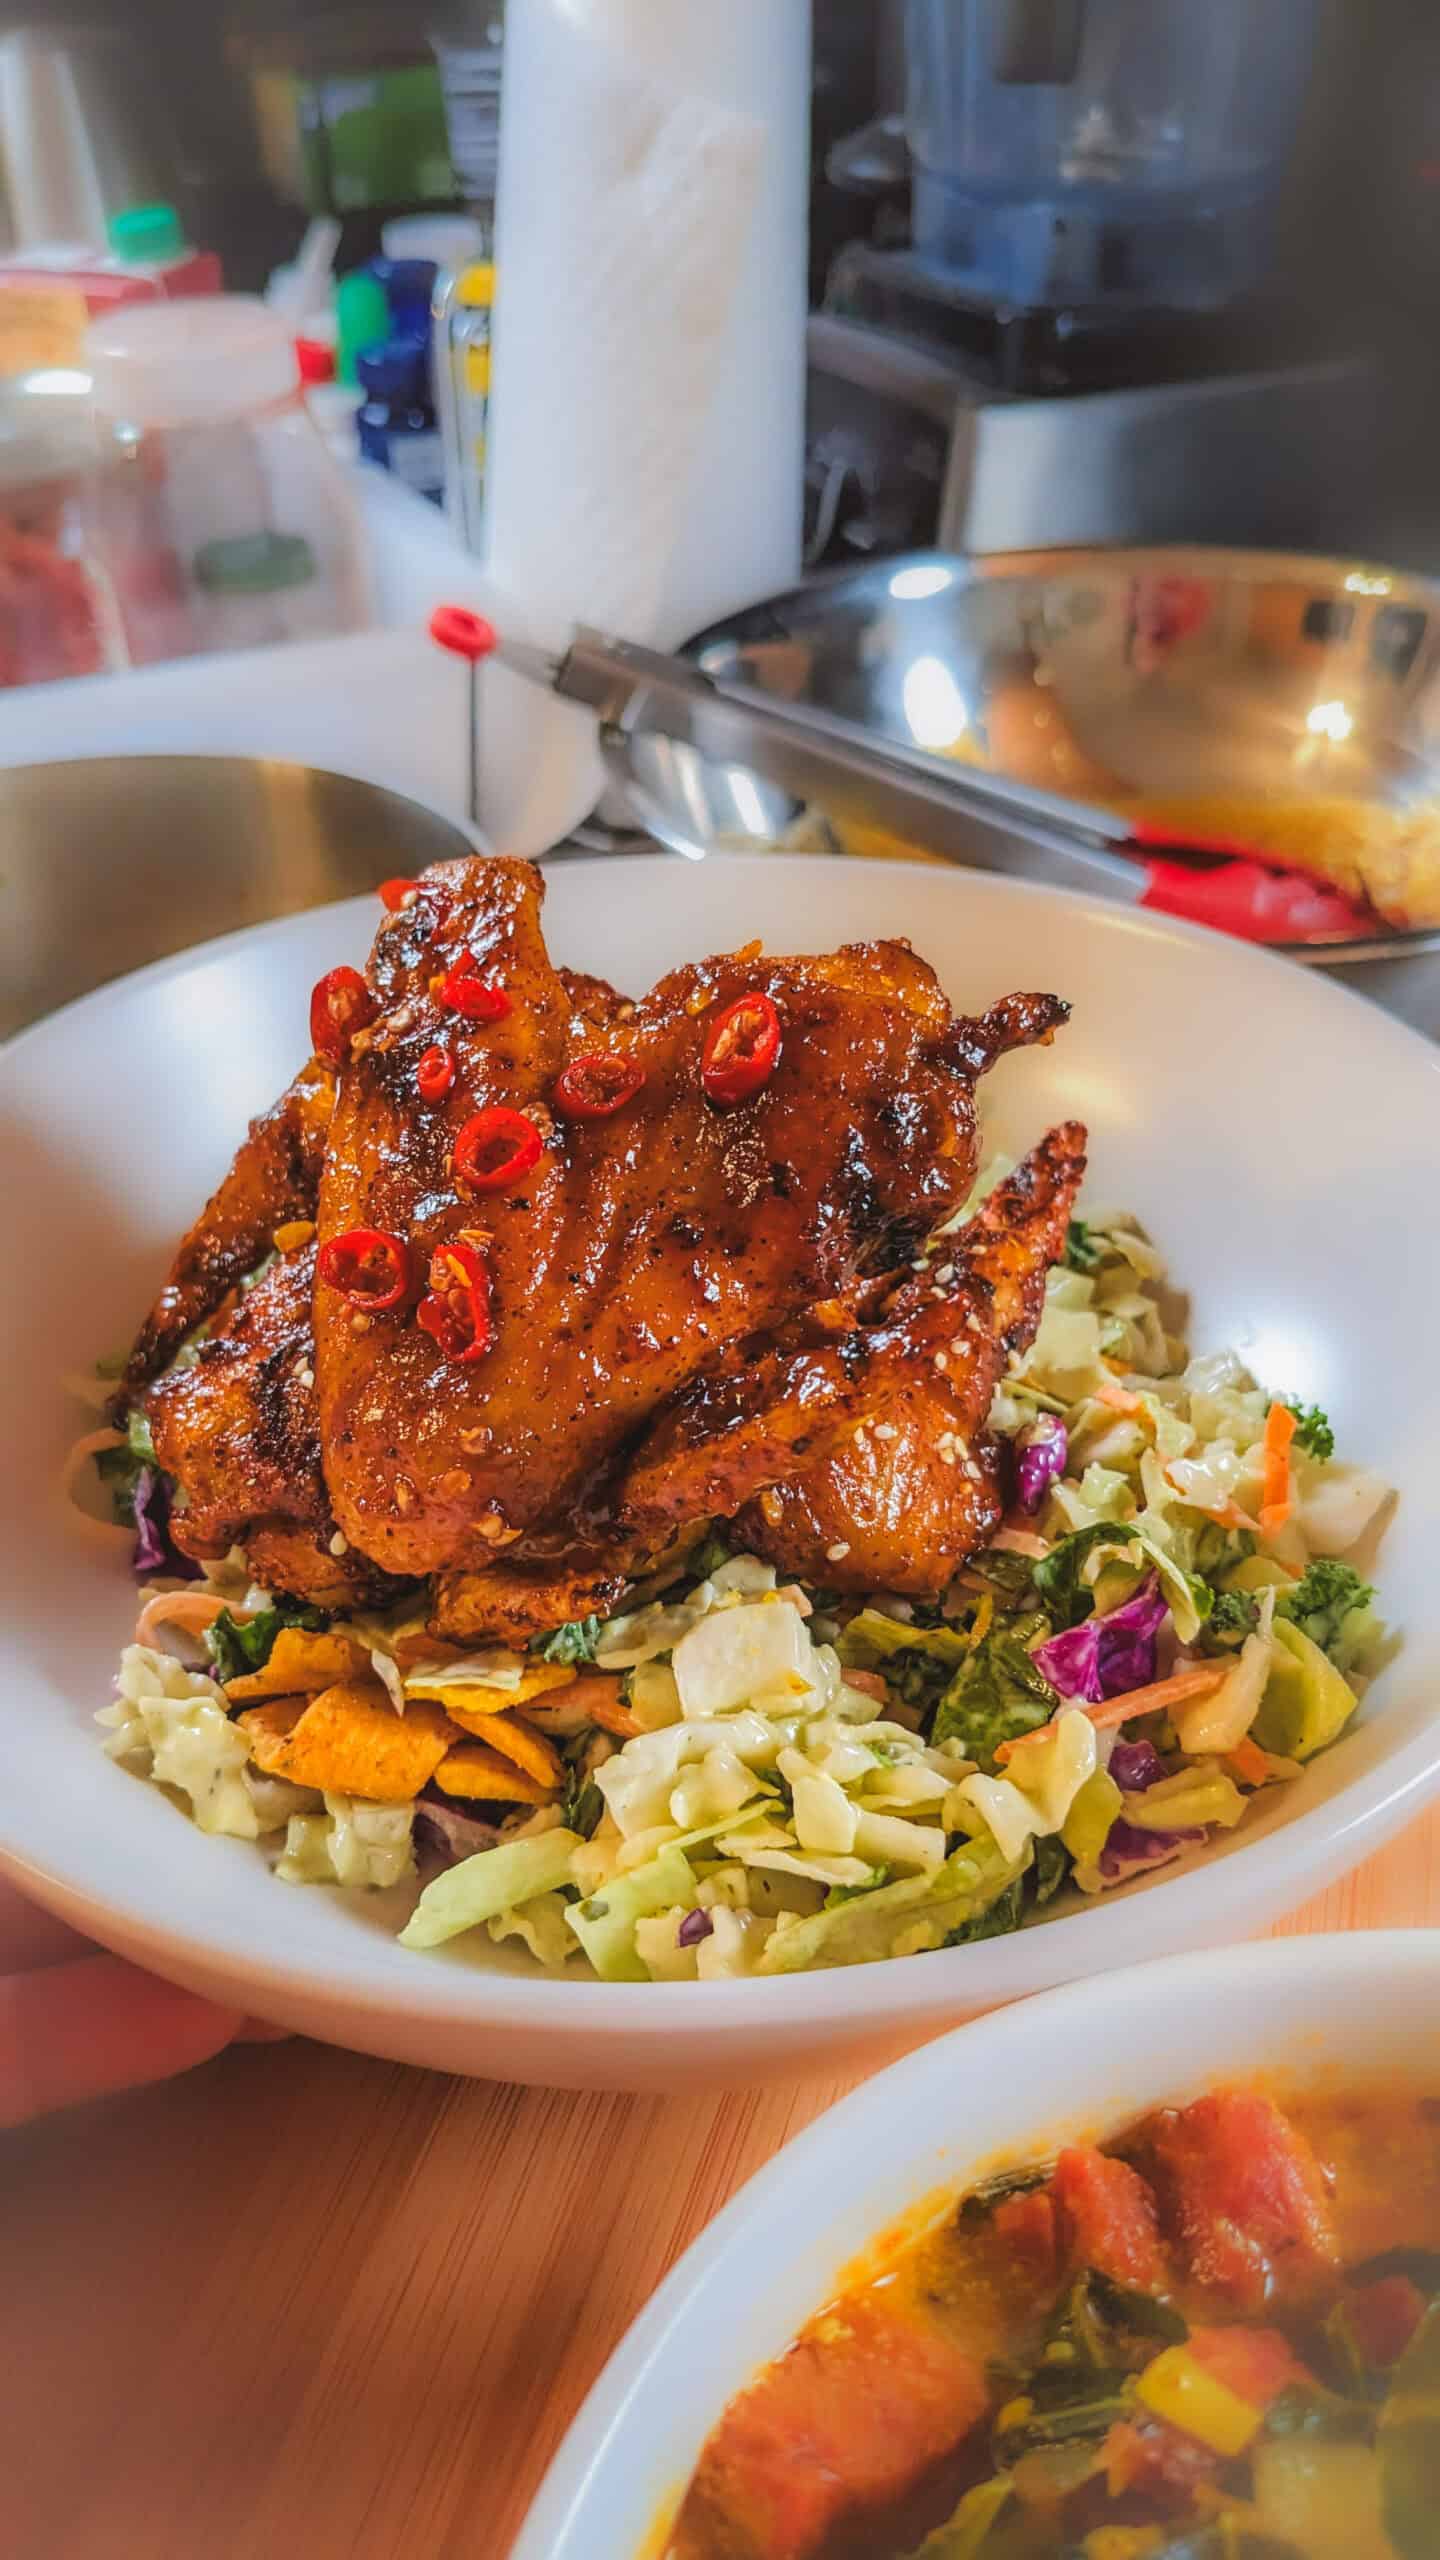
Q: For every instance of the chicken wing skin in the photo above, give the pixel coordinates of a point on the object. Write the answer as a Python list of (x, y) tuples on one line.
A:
[(237, 1428), (917, 1486), (275, 1177), (641, 1246)]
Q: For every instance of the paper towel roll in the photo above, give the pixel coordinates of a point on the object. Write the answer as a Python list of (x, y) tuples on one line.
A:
[(647, 422)]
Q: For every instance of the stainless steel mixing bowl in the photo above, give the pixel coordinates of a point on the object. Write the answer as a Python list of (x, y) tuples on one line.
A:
[(109, 863), (1258, 691)]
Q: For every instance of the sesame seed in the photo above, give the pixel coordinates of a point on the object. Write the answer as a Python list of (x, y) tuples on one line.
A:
[(942, 1360), (885, 1431), (946, 1271), (838, 1553), (948, 1458), (339, 1544), (410, 899)]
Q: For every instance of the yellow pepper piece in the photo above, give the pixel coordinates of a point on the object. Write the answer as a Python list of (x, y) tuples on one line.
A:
[(1178, 2388)]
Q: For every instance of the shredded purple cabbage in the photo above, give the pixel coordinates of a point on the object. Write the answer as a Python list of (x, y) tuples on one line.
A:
[(1041, 1458), (450, 1834), (1105, 1657), (155, 1549), (1128, 1849), (1134, 1766), (695, 1926)]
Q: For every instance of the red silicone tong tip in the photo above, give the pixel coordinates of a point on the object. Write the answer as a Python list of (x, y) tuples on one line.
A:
[(463, 633)]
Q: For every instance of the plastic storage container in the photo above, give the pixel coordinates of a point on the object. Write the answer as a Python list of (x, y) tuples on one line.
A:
[(56, 615), (1102, 151), (222, 519), (50, 294)]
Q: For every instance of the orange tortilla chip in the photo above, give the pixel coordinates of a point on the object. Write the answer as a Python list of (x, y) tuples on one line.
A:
[(473, 1769), (267, 1729), (350, 1742), (300, 1660), (515, 1740)]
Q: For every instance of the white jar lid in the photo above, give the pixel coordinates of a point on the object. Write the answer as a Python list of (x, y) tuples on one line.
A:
[(181, 363)]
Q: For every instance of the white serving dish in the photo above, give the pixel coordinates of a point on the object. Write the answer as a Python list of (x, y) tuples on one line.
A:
[(1076, 2063), (1280, 1137)]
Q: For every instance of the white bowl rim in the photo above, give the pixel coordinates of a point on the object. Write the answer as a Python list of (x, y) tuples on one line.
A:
[(905, 2092)]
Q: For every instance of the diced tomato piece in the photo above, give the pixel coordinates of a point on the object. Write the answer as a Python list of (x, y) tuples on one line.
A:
[(1256, 2364), (1107, 2218), (1157, 2460), (855, 2412), (1385, 2316), (1025, 2225), (1245, 2197)]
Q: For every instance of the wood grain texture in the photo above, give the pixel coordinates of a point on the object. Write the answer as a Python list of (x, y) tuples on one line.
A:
[(309, 2303)]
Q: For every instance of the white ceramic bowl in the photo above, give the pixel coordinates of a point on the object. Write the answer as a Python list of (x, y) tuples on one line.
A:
[(1078, 2063), (1280, 1138)]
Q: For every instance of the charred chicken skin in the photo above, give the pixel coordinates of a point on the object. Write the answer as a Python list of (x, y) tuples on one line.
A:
[(587, 1273)]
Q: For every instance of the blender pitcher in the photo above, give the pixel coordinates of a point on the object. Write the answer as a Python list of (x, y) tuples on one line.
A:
[(1085, 152)]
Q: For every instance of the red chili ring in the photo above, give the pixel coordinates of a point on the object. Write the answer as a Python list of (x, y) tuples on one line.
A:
[(597, 1084), (510, 1131), (741, 1049), (340, 1005), (457, 1313), (393, 893), (464, 991), (367, 1268), (435, 1074)]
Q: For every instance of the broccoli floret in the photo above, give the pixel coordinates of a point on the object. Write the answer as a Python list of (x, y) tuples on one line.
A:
[(1321, 1601), (1312, 1429)]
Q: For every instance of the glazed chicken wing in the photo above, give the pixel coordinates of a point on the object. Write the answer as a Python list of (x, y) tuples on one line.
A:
[(275, 1177), (642, 1243), (915, 1487), (237, 1428), (661, 1308)]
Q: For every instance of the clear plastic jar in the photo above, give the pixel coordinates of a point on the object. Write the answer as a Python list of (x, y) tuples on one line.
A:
[(223, 520), (56, 617)]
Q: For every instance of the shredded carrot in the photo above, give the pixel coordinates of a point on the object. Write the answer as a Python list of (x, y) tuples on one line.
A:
[(1193, 1682), (983, 1616), (1250, 1764), (1275, 1499), (1119, 1399)]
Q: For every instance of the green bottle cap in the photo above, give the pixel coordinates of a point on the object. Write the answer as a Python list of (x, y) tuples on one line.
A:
[(362, 318), (146, 234), (254, 564)]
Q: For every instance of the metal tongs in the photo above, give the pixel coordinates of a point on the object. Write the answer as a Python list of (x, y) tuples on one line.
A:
[(855, 775), (850, 772)]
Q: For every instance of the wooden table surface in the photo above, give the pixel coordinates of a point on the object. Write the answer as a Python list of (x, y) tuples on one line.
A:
[(310, 2304)]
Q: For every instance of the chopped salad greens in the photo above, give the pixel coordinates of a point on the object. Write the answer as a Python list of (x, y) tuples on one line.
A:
[(734, 1777)]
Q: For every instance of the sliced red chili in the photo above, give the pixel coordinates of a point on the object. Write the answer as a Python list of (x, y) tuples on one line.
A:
[(495, 1148), (369, 1268), (457, 1311), (590, 1088), (435, 1074), (340, 1005), (742, 1046), (464, 991), (393, 893)]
